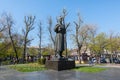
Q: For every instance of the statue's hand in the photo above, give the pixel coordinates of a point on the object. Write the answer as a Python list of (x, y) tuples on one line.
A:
[(59, 29)]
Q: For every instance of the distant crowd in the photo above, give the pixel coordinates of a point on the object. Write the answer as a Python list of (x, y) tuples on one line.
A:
[(92, 59), (84, 58)]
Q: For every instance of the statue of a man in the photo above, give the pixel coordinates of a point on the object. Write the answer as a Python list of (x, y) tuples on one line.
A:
[(59, 39)]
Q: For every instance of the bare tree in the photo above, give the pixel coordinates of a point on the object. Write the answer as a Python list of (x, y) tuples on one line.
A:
[(2, 25), (77, 28), (88, 32), (40, 37), (8, 22), (50, 29), (82, 34), (2, 28), (64, 14), (29, 22)]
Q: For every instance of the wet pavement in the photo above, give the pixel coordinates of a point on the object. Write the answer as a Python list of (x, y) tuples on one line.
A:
[(9, 74)]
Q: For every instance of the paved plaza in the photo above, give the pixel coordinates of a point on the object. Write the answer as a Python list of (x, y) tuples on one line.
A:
[(109, 74)]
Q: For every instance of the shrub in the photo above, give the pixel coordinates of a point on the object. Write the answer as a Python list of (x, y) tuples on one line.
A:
[(6, 62), (41, 61)]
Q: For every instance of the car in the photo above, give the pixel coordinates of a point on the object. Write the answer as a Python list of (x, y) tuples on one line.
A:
[(102, 60), (115, 60)]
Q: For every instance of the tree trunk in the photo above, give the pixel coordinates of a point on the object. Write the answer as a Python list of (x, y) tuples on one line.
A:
[(13, 44), (24, 50)]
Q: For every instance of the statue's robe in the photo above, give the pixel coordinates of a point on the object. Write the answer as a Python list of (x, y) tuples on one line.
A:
[(59, 39)]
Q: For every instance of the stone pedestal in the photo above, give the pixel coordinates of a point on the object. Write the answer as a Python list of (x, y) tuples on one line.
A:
[(60, 65)]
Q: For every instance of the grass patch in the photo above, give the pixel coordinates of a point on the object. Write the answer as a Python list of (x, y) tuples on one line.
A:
[(28, 67), (100, 64), (90, 69)]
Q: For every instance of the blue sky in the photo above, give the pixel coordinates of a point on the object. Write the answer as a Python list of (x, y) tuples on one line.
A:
[(105, 14)]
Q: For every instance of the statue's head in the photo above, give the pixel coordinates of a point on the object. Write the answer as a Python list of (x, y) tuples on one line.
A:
[(60, 19)]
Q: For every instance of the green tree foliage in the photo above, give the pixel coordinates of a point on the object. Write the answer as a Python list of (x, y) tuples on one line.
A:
[(114, 43), (45, 53), (33, 51), (99, 44)]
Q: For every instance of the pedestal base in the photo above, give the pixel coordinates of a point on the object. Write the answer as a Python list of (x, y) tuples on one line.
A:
[(60, 65)]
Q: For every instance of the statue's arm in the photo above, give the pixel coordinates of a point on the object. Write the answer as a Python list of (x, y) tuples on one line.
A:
[(56, 28), (64, 29)]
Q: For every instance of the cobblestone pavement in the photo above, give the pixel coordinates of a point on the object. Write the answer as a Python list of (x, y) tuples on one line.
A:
[(109, 74)]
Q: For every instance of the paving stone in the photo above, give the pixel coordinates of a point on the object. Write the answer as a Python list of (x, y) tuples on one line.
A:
[(9, 74)]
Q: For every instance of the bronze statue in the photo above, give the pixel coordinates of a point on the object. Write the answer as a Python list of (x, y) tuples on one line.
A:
[(59, 39)]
